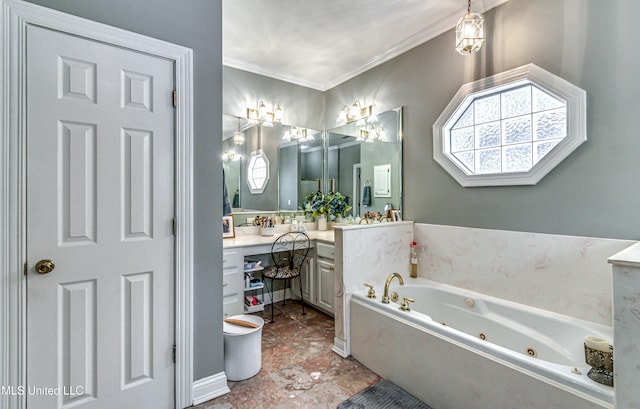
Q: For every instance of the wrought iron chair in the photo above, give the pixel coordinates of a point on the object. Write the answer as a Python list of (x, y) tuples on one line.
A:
[(288, 253)]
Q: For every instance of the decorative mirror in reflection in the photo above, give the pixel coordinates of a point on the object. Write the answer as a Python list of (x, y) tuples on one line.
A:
[(257, 172)]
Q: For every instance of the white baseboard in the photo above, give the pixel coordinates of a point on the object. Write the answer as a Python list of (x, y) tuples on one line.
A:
[(340, 347), (210, 387), (277, 296)]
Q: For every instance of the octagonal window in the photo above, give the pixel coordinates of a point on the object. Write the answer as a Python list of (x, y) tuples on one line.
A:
[(257, 172), (511, 128)]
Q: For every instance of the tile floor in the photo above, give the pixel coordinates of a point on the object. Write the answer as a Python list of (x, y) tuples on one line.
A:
[(299, 370)]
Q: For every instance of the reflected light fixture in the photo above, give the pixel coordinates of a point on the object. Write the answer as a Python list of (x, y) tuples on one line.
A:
[(469, 32), (371, 134), (263, 115), (238, 136), (230, 156), (277, 114), (296, 134)]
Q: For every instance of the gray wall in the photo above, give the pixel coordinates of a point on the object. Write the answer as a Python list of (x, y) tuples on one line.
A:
[(595, 191), (303, 107), (374, 154), (196, 25)]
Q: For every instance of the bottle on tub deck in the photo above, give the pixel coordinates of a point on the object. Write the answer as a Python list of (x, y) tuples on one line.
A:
[(413, 261)]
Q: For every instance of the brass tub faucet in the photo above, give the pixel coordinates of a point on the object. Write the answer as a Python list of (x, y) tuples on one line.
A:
[(385, 297)]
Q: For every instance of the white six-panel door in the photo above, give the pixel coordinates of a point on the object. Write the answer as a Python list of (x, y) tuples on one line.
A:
[(100, 206)]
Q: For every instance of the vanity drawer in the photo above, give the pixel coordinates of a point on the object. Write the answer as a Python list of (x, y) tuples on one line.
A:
[(232, 283), (232, 305), (325, 250), (232, 259)]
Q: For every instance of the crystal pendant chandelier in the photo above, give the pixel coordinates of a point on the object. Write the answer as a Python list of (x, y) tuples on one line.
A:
[(469, 32), (238, 136)]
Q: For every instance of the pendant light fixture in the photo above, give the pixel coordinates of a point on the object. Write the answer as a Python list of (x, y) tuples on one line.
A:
[(469, 32), (238, 136)]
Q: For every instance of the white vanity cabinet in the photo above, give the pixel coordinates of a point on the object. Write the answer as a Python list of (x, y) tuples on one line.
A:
[(318, 277), (232, 282)]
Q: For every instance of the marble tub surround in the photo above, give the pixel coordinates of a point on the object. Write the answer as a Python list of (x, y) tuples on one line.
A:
[(368, 253), (564, 274), (626, 327)]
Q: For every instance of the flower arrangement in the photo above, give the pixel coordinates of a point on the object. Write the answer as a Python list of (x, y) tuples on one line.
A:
[(332, 204)]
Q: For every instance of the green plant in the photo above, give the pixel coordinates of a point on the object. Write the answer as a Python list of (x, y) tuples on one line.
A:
[(337, 204), (332, 204)]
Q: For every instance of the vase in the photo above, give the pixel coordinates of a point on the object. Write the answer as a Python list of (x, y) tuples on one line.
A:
[(322, 222), (338, 219)]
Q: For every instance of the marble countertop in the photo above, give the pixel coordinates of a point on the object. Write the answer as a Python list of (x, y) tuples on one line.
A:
[(255, 239), (627, 257)]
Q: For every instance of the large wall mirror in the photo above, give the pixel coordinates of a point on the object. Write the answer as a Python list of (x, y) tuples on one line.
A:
[(355, 151), (362, 160)]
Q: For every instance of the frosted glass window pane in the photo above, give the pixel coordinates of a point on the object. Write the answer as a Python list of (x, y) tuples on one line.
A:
[(487, 109), (540, 149), (466, 119), (488, 135), (488, 161), (550, 124), (543, 101), (467, 159), (257, 172), (516, 102), (462, 139), (509, 124), (516, 130), (517, 158)]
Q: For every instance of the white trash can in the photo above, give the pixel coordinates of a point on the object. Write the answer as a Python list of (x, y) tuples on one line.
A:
[(242, 348)]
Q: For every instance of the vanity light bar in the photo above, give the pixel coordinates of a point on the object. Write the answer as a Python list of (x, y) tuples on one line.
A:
[(354, 113), (261, 114)]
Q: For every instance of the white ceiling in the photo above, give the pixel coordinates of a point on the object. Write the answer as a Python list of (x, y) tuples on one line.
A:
[(322, 43)]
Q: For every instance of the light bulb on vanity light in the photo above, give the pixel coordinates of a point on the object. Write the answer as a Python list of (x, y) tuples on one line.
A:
[(342, 115), (355, 111), (262, 111), (278, 114)]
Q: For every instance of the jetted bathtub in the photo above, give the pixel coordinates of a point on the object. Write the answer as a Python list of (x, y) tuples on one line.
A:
[(457, 348)]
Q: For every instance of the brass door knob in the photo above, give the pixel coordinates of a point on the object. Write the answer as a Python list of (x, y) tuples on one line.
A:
[(45, 266)]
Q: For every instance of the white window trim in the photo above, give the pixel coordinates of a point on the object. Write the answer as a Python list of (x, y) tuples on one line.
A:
[(575, 97), (257, 191)]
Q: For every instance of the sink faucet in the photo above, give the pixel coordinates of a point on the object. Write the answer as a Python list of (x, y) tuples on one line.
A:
[(385, 297)]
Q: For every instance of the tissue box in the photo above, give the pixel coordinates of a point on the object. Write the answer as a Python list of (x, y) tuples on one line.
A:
[(250, 264)]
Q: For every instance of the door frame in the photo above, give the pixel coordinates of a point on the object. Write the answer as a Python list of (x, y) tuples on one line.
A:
[(357, 189), (15, 16)]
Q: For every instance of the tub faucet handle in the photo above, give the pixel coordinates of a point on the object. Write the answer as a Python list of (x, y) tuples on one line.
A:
[(371, 293), (404, 305)]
